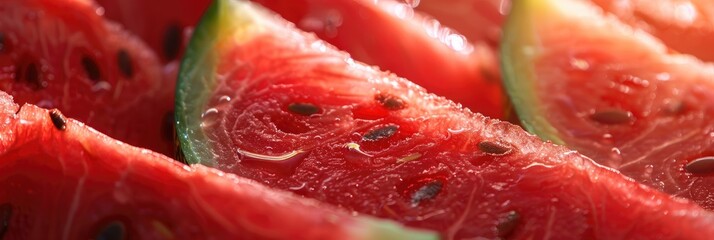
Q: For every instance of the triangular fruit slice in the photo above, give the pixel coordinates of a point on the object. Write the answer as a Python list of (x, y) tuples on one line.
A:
[(686, 26), (396, 38), (614, 93), (65, 180), (259, 98), (478, 20), (63, 54)]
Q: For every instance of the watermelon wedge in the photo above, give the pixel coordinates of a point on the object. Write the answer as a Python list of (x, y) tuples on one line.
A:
[(478, 20), (261, 99), (614, 93), (396, 38), (63, 54), (63, 179), (685, 26)]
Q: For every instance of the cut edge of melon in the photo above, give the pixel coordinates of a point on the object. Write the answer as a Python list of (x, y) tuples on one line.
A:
[(519, 46), (223, 24)]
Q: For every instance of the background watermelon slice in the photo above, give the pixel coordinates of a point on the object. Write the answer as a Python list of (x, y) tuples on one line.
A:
[(396, 38), (263, 100), (63, 179), (162, 24), (614, 93), (686, 26), (62, 54), (478, 20)]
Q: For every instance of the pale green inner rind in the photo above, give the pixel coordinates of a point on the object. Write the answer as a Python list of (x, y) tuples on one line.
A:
[(388, 230), (195, 85), (519, 47)]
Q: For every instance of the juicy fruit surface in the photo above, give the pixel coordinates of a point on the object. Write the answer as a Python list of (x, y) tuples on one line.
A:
[(396, 38), (162, 24), (279, 106), (62, 54), (686, 26), (74, 183), (614, 94)]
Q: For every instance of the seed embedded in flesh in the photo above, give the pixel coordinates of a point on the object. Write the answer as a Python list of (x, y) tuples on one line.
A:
[(507, 224), (5, 217), (114, 230), (125, 66), (674, 107), (58, 119), (2, 42), (91, 68), (305, 109), (31, 76), (172, 41), (381, 133), (168, 126), (390, 102), (426, 192), (612, 116), (494, 148), (702, 165)]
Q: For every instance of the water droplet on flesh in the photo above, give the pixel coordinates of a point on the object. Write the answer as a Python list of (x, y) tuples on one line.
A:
[(209, 117)]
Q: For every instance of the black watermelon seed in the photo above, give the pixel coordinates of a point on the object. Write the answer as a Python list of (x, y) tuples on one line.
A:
[(507, 224), (58, 119), (390, 102), (31, 76), (676, 107), (172, 41), (703, 165), (612, 116), (5, 217), (305, 109), (426, 192), (125, 66), (112, 231), (494, 148), (381, 133), (167, 127), (2, 42), (91, 68)]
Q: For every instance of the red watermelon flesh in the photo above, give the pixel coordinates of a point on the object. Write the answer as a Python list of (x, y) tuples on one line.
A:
[(263, 100), (478, 20), (65, 180), (614, 93), (686, 26), (62, 54), (162, 24), (396, 38)]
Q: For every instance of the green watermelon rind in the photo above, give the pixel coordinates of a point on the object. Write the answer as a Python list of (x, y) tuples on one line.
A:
[(192, 96), (518, 46), (196, 85)]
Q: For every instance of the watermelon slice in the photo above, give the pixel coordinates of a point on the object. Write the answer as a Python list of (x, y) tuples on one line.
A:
[(263, 100), (62, 54), (392, 36), (162, 24), (616, 94), (63, 179), (686, 26), (476, 19)]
